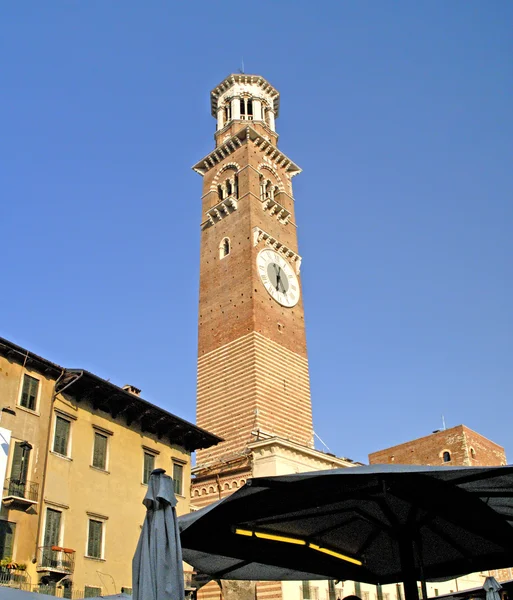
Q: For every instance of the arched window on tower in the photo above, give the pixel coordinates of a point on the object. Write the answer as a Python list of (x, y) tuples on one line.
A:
[(229, 188), (224, 247), (246, 109), (446, 456)]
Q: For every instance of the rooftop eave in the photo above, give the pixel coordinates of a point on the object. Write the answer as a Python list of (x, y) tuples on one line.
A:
[(241, 137), (227, 83), (106, 396)]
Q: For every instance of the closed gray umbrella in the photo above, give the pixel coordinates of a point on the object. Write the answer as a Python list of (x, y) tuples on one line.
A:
[(492, 587), (157, 569)]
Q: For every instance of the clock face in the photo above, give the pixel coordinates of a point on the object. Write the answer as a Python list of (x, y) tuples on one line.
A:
[(278, 277)]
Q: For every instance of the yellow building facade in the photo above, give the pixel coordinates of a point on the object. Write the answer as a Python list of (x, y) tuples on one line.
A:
[(76, 453)]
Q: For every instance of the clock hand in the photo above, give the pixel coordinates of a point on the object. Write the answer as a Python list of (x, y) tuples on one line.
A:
[(278, 276)]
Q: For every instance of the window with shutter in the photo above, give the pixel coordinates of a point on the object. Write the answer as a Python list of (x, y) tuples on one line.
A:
[(61, 438), (94, 543), (100, 451), (19, 469), (178, 478), (92, 592), (29, 392), (7, 530), (52, 527), (149, 465), (332, 592), (305, 587)]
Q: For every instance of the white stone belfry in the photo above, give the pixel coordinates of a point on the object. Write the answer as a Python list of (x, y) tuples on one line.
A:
[(242, 97)]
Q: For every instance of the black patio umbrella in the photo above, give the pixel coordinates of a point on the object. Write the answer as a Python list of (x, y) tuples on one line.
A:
[(375, 524)]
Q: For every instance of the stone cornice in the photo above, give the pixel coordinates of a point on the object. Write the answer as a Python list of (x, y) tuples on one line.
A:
[(270, 443), (243, 78), (242, 137)]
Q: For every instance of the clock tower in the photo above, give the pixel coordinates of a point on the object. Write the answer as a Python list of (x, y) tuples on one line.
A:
[(252, 360), (253, 383)]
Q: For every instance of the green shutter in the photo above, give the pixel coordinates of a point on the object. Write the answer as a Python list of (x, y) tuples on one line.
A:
[(306, 590), (52, 527), (100, 451), (29, 392), (149, 465), (60, 441), (17, 467), (332, 593), (92, 592), (178, 478), (7, 531), (94, 544), (19, 470)]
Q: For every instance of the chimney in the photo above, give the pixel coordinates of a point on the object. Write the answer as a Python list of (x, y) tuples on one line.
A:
[(132, 389)]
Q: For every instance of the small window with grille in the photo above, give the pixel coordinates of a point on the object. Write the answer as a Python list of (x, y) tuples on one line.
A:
[(92, 591)]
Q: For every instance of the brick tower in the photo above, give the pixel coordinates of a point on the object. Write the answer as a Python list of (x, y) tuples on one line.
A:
[(253, 382), (252, 361)]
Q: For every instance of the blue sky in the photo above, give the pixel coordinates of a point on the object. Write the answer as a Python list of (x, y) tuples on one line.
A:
[(399, 114)]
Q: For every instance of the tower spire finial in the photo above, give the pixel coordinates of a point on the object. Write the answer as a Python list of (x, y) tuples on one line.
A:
[(242, 65)]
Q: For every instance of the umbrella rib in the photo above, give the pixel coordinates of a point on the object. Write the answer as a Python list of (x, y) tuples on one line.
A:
[(293, 516), (366, 544), (451, 513), (449, 540), (479, 476), (241, 564)]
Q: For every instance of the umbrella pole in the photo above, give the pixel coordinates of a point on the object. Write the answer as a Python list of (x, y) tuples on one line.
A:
[(406, 552), (424, 589)]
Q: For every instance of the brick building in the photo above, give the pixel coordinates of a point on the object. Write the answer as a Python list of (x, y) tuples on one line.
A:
[(457, 446)]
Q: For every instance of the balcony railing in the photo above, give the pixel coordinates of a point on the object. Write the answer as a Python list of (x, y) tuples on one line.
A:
[(55, 558), (25, 492), (14, 578)]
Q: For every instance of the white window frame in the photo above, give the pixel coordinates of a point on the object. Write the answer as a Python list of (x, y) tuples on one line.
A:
[(43, 529), (103, 520), (180, 463), (35, 410), (70, 419), (107, 434), (153, 453)]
